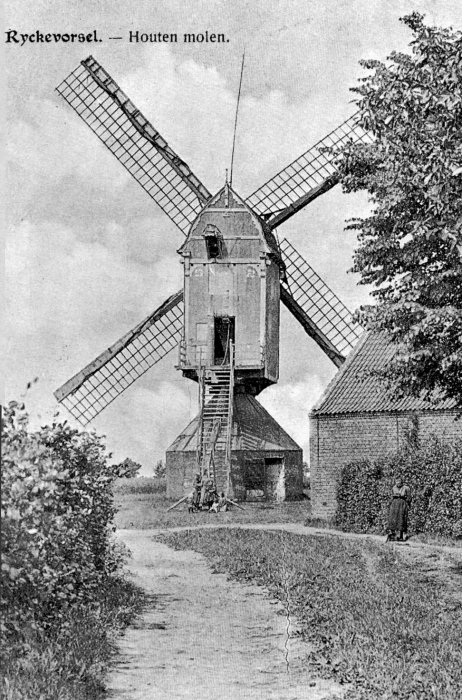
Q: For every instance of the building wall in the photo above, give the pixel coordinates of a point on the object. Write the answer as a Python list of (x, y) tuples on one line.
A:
[(180, 470), (292, 485), (182, 466), (232, 285), (272, 322), (293, 475), (247, 291), (336, 440), (249, 311)]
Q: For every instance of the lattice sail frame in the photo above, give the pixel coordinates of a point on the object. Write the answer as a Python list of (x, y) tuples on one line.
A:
[(123, 129), (312, 170), (104, 379), (320, 304), (99, 101)]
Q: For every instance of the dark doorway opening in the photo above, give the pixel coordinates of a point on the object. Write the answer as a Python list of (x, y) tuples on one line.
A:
[(262, 478), (223, 336), (254, 479), (273, 469)]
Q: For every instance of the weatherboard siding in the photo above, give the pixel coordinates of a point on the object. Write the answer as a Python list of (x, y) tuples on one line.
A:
[(336, 440), (242, 282)]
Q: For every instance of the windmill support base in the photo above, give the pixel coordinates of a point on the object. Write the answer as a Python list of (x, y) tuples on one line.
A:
[(266, 463)]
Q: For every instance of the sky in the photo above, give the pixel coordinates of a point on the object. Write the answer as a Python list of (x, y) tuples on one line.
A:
[(88, 254)]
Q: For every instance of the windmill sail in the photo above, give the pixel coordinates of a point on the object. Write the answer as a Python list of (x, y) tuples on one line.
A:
[(102, 105), (104, 379), (307, 177), (321, 313)]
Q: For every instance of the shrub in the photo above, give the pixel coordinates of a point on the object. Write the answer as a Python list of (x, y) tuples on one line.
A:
[(57, 510), (431, 468), (68, 661)]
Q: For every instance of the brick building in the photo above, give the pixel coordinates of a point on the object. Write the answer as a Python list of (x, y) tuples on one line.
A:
[(358, 418)]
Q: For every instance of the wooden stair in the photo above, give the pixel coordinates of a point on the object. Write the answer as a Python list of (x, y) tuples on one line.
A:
[(216, 417)]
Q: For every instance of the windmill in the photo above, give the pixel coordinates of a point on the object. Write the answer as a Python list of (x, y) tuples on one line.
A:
[(225, 320)]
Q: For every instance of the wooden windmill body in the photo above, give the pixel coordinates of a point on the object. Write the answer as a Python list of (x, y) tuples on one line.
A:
[(224, 323), (232, 272)]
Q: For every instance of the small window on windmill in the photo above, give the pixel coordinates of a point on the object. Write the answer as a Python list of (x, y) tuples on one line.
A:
[(213, 241)]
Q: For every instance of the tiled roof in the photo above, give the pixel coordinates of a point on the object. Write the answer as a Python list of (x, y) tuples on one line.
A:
[(353, 389), (254, 429)]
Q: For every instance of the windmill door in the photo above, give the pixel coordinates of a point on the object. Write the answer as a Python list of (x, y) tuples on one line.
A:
[(274, 478), (223, 336), (263, 478), (254, 479)]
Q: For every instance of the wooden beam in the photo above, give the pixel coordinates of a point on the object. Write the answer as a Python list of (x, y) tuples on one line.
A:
[(145, 128), (178, 503), (310, 328), (292, 209), (79, 378), (233, 503)]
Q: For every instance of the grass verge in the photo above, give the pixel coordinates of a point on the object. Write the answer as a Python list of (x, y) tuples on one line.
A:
[(68, 661), (142, 504), (372, 620)]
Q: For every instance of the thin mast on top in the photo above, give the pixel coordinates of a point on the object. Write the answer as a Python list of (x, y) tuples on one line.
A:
[(235, 121)]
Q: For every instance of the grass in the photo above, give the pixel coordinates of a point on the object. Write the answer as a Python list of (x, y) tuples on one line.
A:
[(68, 661), (373, 620), (140, 484), (148, 509)]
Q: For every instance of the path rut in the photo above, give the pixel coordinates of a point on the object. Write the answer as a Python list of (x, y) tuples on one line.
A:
[(204, 636)]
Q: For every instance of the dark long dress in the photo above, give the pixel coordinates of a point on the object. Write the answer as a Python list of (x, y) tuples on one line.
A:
[(399, 509)]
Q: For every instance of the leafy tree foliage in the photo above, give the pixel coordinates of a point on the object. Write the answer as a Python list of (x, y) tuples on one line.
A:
[(410, 246), (160, 470), (128, 468)]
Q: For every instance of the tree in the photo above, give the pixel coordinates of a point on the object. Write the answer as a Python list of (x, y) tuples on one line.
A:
[(410, 246), (128, 468), (159, 470)]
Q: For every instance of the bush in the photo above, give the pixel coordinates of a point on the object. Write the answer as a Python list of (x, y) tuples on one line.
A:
[(63, 598), (68, 661), (431, 468), (57, 510)]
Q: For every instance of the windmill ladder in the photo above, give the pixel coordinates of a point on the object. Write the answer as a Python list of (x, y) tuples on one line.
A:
[(216, 419)]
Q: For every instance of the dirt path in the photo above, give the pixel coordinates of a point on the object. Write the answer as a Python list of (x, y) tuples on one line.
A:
[(441, 564), (179, 648), (205, 636)]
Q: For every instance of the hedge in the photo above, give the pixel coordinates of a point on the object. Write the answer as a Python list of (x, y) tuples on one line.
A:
[(432, 468), (57, 510)]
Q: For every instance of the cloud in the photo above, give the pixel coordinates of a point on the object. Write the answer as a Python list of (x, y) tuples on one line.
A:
[(89, 254), (93, 256), (148, 425), (51, 142), (290, 406), (68, 300)]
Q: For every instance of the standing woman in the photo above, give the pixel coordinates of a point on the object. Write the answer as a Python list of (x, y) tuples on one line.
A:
[(398, 513)]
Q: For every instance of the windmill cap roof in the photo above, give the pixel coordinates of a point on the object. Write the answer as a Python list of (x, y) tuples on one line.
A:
[(226, 196), (356, 388)]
